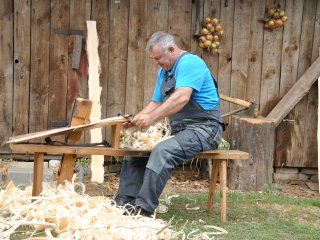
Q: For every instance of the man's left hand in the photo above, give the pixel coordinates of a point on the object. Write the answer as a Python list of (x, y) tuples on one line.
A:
[(143, 120)]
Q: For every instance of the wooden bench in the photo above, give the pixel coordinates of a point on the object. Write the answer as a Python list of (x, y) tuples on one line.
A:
[(219, 164)]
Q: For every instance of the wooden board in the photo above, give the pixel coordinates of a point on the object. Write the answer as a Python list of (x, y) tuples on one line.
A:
[(21, 65), (64, 130), (255, 51), (156, 9), (239, 72), (196, 26), (101, 14), (51, 149), (300, 125), (58, 85), (271, 66), (77, 78), (39, 75), (6, 71), (137, 56)]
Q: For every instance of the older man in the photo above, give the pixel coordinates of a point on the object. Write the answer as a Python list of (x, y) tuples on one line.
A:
[(185, 92)]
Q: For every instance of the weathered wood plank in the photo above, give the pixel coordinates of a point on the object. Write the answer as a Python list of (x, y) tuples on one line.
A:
[(58, 85), (77, 78), (289, 68), (21, 66), (136, 57), (240, 48), (255, 51), (196, 25), (118, 56), (179, 24), (271, 66), (6, 71), (299, 137), (156, 9), (39, 72), (310, 150), (225, 56)]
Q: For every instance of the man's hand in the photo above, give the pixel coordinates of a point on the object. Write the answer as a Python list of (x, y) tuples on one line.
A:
[(142, 120), (128, 124)]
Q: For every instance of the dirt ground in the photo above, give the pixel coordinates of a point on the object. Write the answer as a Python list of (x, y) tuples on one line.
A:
[(191, 183)]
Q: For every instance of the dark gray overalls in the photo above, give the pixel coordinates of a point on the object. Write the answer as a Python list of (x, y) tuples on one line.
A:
[(194, 130)]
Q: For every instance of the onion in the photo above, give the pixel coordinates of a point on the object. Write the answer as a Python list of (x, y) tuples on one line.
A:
[(202, 39), (215, 37), (284, 18), (221, 33), (204, 31), (207, 20), (201, 45), (209, 37), (270, 23), (207, 43), (215, 21), (218, 27), (213, 45), (270, 11), (282, 13)]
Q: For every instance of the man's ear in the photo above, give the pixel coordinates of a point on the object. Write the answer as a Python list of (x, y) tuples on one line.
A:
[(171, 49)]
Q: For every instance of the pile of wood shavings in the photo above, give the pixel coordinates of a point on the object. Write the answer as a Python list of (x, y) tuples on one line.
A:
[(73, 215), (147, 139)]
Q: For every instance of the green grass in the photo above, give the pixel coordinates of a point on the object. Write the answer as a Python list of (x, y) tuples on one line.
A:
[(267, 215)]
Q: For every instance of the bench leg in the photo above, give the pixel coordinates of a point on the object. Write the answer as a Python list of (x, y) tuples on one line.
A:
[(223, 190), (37, 173), (213, 183), (67, 168)]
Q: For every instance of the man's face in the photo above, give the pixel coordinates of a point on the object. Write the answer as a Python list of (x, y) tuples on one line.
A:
[(161, 58)]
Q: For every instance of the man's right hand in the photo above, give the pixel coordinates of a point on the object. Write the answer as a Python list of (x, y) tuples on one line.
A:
[(128, 124)]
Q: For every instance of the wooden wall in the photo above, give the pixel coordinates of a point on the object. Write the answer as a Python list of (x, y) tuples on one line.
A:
[(38, 84)]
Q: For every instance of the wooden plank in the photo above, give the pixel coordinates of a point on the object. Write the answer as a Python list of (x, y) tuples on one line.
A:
[(39, 72), (211, 9), (67, 168), (37, 174), (310, 148), (196, 25), (289, 68), (6, 71), (318, 133), (225, 57), (136, 57), (271, 66), (64, 130), (77, 75), (21, 66), (97, 161), (118, 55), (156, 9), (299, 136), (179, 24), (52, 149), (299, 89), (101, 14), (255, 51), (58, 84), (240, 48)]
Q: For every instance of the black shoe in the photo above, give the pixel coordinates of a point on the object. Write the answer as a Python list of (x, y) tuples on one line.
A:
[(133, 210), (122, 200)]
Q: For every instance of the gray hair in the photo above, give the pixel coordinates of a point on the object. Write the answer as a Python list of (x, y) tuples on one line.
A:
[(163, 39)]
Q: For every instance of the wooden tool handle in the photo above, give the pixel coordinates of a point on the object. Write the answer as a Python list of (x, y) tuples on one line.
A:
[(235, 100)]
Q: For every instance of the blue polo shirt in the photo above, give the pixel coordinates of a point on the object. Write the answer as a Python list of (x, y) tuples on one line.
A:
[(191, 71)]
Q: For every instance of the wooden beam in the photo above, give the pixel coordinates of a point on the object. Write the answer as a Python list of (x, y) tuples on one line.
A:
[(101, 150), (64, 130), (294, 95)]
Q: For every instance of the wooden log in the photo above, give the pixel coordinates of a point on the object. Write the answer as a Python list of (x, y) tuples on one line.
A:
[(255, 136), (299, 89)]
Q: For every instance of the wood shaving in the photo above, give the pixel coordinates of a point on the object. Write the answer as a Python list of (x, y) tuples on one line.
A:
[(73, 215), (147, 139)]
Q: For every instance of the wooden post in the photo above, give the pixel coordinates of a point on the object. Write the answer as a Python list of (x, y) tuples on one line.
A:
[(213, 183), (37, 173), (223, 189), (257, 137), (115, 135)]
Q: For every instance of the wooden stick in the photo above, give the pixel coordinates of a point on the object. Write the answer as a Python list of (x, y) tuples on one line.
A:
[(235, 100), (223, 190)]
